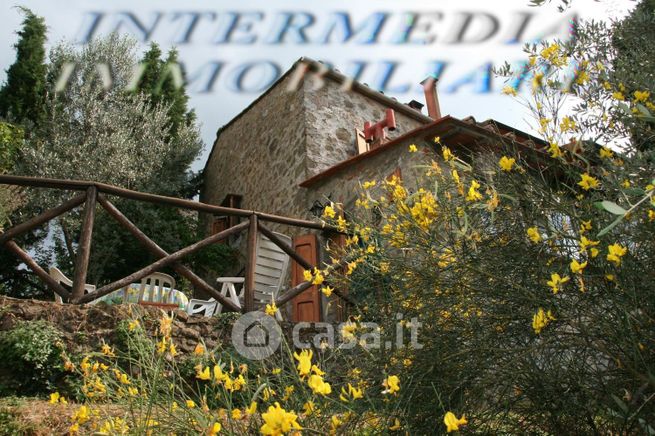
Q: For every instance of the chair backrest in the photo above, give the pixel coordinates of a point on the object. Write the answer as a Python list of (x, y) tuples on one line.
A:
[(270, 268), (152, 287), (60, 278)]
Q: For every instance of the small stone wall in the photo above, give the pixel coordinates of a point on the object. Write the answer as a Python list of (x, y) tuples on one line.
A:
[(86, 327)]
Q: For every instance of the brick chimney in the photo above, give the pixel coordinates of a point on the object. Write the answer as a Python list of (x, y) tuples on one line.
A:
[(431, 98)]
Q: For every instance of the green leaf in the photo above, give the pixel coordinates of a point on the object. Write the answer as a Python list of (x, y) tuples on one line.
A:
[(634, 191), (610, 227), (620, 403), (611, 207)]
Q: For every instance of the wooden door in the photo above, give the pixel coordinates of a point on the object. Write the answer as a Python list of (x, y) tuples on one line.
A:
[(306, 306)]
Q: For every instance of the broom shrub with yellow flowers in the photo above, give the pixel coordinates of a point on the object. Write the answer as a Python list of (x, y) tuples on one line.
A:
[(141, 384), (528, 266)]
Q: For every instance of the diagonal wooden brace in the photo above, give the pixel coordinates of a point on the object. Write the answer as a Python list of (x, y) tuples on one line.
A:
[(156, 250)]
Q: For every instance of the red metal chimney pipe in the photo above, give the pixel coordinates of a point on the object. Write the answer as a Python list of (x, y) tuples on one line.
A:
[(431, 98)]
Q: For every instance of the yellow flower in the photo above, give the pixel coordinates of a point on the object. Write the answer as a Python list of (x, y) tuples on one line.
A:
[(350, 394), (541, 319), (588, 182), (202, 374), (554, 150), (318, 277), (585, 226), (509, 90), (342, 224), (252, 409), (651, 215), (133, 325), (447, 154), (605, 153), (278, 421), (617, 95), (556, 282), (534, 235), (567, 124), (335, 423), (384, 267), (585, 243), (318, 385), (641, 96), (396, 425), (81, 415), (593, 252), (190, 404), (473, 193), (172, 350), (452, 422), (327, 291), (537, 80), (615, 252), (271, 309), (307, 275), (309, 408), (236, 414), (436, 139), (214, 429), (107, 351), (199, 350), (165, 325), (506, 163), (56, 398), (577, 267), (304, 362), (368, 185), (412, 148), (348, 330), (329, 212), (391, 384)]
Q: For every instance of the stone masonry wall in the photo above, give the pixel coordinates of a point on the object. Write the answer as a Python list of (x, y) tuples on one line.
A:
[(260, 156), (332, 115)]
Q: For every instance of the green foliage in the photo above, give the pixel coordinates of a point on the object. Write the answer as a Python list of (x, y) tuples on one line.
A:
[(11, 140), (23, 95), (30, 357)]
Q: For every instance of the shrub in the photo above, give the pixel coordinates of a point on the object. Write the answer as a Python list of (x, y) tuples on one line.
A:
[(30, 357)]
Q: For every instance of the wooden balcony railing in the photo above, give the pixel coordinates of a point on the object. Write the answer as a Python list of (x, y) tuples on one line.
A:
[(94, 193)]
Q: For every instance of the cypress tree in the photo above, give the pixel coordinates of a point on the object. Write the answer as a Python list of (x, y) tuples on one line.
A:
[(23, 94), (149, 83), (175, 94)]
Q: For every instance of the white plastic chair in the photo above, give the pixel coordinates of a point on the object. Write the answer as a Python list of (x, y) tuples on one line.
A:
[(271, 268), (157, 289), (60, 278)]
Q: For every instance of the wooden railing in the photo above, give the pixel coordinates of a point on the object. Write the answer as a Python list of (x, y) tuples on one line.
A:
[(94, 193)]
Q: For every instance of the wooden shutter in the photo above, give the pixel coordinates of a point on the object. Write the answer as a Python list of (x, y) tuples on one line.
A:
[(306, 306)]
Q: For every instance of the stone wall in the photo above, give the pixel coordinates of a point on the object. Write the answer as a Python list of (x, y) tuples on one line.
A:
[(332, 115), (86, 327), (260, 155)]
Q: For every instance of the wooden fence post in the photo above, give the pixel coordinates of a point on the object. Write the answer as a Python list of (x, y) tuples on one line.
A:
[(84, 247), (249, 286)]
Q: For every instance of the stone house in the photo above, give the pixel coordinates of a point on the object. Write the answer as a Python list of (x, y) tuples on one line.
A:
[(304, 142)]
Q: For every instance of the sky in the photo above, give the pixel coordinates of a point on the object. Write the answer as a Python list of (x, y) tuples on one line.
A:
[(232, 51)]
